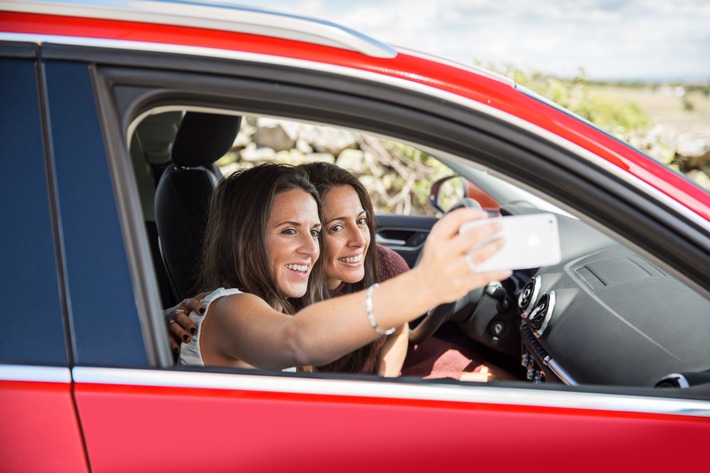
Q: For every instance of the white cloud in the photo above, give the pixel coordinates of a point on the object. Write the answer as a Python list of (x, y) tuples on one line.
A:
[(608, 38)]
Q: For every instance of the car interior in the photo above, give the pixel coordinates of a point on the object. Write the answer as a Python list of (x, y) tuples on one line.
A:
[(605, 315)]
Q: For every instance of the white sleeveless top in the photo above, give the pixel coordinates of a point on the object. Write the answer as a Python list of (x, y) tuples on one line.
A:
[(190, 352)]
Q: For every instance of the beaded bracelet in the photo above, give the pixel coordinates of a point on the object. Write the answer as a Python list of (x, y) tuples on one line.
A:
[(370, 315)]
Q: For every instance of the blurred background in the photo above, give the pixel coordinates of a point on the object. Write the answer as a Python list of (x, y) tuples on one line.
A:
[(639, 69)]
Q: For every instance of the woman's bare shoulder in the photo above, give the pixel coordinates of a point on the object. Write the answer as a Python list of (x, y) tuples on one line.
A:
[(242, 305), (236, 300)]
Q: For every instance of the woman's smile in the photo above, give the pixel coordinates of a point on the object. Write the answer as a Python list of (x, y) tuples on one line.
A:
[(347, 236), (292, 240)]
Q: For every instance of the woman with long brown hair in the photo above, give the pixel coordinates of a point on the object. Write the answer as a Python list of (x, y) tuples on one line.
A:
[(353, 262), (262, 258)]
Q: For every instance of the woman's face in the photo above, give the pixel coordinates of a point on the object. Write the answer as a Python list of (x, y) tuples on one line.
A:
[(292, 240), (347, 236)]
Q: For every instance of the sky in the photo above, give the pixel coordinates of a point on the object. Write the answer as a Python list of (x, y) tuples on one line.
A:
[(647, 40)]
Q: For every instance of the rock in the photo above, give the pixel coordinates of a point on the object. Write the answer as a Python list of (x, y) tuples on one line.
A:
[(328, 140), (230, 168), (353, 160), (274, 134), (695, 145), (303, 146), (296, 157), (251, 153), (702, 177)]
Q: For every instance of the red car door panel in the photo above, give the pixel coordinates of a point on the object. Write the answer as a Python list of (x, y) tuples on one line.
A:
[(219, 428), (39, 429)]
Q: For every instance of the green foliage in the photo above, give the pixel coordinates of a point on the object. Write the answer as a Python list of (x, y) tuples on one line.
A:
[(414, 180), (688, 106), (619, 117), (703, 89)]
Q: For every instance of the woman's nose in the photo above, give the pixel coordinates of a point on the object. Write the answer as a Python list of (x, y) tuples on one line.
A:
[(310, 246), (357, 238)]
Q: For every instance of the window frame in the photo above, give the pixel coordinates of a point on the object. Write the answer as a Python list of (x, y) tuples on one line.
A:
[(532, 161)]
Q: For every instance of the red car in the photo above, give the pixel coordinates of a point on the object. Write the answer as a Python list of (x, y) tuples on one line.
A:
[(608, 349)]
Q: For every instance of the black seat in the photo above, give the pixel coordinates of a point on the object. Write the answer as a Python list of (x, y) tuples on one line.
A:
[(183, 193)]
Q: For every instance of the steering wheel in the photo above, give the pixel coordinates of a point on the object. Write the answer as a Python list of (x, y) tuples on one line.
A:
[(437, 316)]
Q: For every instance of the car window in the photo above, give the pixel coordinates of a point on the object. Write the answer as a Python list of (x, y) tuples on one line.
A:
[(397, 175), (602, 294), (30, 286), (95, 261)]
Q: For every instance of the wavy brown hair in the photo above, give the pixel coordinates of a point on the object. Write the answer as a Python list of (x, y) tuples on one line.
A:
[(234, 253), (325, 177)]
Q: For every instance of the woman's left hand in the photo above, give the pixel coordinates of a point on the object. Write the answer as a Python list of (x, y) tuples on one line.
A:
[(180, 327)]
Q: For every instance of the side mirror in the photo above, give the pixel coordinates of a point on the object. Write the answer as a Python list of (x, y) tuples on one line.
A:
[(446, 192), (449, 190)]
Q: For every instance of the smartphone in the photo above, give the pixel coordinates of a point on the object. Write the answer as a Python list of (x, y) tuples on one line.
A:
[(529, 241)]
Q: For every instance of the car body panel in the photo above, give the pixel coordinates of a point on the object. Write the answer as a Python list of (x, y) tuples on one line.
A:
[(119, 405), (393, 426), (89, 223), (39, 429), (33, 285)]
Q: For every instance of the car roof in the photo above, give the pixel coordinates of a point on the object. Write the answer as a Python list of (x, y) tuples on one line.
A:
[(315, 43), (215, 16)]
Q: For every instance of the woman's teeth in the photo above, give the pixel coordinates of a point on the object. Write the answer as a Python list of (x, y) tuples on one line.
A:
[(352, 259), (301, 268)]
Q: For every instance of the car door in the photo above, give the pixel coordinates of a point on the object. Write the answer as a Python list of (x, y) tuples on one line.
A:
[(405, 234), (138, 413), (40, 430)]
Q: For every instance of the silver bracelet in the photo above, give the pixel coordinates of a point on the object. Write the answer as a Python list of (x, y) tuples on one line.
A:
[(370, 315)]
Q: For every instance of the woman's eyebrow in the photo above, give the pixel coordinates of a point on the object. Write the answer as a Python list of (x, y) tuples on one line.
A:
[(290, 223), (295, 224), (344, 217), (334, 219)]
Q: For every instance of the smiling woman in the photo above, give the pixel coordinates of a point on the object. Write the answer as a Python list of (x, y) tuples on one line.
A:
[(258, 286), (346, 225), (354, 262), (292, 241)]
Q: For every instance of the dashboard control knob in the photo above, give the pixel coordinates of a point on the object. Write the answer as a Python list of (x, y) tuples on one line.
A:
[(540, 316), (498, 292), (528, 296)]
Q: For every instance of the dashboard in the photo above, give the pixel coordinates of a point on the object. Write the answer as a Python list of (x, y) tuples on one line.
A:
[(604, 315)]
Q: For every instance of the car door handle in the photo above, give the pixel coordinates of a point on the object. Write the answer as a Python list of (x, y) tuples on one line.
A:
[(389, 241)]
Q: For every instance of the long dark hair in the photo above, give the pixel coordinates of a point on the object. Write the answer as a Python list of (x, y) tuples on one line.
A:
[(234, 254), (325, 177)]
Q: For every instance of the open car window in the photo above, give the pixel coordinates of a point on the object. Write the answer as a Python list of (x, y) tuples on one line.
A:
[(599, 317)]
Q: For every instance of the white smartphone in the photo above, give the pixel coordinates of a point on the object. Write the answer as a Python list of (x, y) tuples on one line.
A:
[(529, 241)]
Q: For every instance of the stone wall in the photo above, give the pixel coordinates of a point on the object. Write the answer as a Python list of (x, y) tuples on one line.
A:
[(399, 177)]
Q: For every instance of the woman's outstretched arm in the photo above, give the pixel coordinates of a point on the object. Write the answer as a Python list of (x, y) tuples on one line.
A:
[(243, 330)]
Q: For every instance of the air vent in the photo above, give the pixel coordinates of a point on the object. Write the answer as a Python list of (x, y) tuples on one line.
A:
[(674, 380), (528, 296), (685, 380), (540, 316)]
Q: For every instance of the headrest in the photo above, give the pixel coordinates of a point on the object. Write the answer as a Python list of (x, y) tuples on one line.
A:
[(203, 138)]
